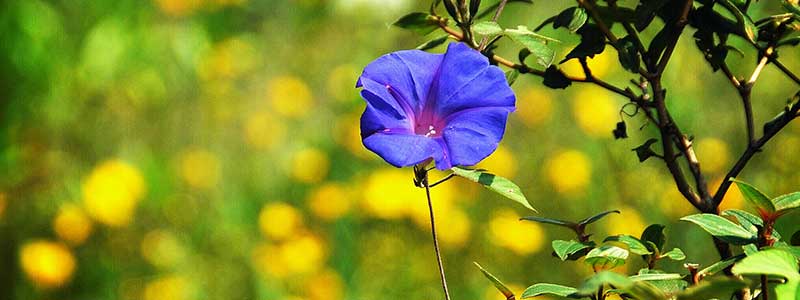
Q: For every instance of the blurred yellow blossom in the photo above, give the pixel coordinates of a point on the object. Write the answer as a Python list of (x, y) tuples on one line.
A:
[(501, 162), (674, 204), (521, 237), (569, 171), (72, 225), (278, 220), (47, 264), (492, 293), (713, 154), (534, 106), (200, 168), (162, 248), (629, 221), (348, 134), (325, 285), (452, 227), (171, 287), (329, 201), (112, 191), (3, 204), (262, 130), (341, 81), (595, 111), (391, 194), (302, 254), (178, 7), (310, 165), (228, 59), (290, 96)]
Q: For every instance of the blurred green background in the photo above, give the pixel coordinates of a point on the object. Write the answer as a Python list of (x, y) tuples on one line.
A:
[(209, 149)]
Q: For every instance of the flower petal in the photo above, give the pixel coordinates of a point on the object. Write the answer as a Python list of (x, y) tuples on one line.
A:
[(468, 81), (410, 73), (382, 110), (402, 150), (471, 135)]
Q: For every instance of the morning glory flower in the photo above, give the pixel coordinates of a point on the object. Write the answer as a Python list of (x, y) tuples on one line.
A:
[(449, 107)]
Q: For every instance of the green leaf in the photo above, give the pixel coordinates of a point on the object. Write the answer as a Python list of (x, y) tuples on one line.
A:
[(497, 283), (596, 217), (433, 43), (547, 289), (418, 22), (654, 234), (634, 245), (495, 183), (675, 254), (755, 197), (746, 26), (557, 222), (606, 257), (487, 28), (571, 18), (776, 262), (593, 42), (628, 54), (490, 10), (719, 266), (639, 289), (795, 239), (555, 79), (787, 202), (655, 276), (714, 288), (747, 220), (722, 228), (644, 152), (564, 249), (792, 7), (536, 43), (511, 76), (645, 12)]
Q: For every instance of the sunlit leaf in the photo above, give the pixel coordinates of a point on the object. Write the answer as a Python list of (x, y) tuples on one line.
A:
[(606, 257), (634, 245), (722, 228), (547, 289), (487, 28), (713, 288), (497, 283), (675, 254), (787, 202), (564, 249), (571, 18), (755, 197), (495, 183)]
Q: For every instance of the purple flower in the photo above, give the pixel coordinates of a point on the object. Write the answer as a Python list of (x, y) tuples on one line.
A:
[(451, 107)]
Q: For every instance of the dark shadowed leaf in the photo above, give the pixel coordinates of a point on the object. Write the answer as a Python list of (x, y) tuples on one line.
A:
[(497, 283), (495, 183), (718, 287), (548, 289), (555, 79), (571, 18), (628, 54), (596, 217), (755, 197), (655, 235), (746, 26), (638, 289), (593, 42), (511, 76), (645, 12), (558, 222), (418, 22), (795, 240), (433, 43), (722, 228), (643, 152), (621, 131)]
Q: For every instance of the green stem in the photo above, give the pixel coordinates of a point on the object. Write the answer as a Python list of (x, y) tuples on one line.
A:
[(435, 238)]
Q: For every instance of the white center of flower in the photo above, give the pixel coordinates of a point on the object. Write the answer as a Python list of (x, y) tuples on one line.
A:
[(431, 131)]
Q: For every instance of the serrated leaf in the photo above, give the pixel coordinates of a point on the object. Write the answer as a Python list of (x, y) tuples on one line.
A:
[(564, 249), (784, 203), (675, 254), (433, 43), (755, 197), (571, 18), (717, 287), (495, 183), (776, 262), (497, 283), (719, 266), (596, 217), (606, 257), (487, 28), (634, 245), (548, 289), (555, 79), (722, 228), (655, 235), (536, 43), (419, 22)]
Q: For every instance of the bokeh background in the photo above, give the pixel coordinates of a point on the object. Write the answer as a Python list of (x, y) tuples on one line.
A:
[(209, 149)]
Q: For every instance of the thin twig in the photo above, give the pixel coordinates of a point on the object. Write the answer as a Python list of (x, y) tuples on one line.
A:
[(435, 238), (496, 16), (785, 70)]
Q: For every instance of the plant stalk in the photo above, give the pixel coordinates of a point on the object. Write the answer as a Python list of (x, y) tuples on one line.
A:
[(435, 238)]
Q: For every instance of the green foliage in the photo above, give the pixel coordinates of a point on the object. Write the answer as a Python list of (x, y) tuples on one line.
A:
[(495, 183), (571, 250), (497, 283), (547, 289), (535, 43), (606, 257), (418, 22), (756, 197), (722, 228)]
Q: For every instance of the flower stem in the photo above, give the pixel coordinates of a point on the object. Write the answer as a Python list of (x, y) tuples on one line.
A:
[(435, 238)]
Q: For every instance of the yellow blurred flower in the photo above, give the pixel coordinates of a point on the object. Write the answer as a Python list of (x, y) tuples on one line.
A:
[(674, 204), (521, 237), (262, 130), (492, 293), (501, 162), (325, 285), (200, 168), (112, 191), (290, 96), (301, 254), (47, 264), (534, 106), (391, 194), (3, 204), (569, 172), (172, 287), (341, 81), (629, 221), (713, 154), (72, 225), (595, 111), (310, 165), (348, 129), (453, 227), (278, 220), (178, 8), (162, 248), (229, 59), (329, 201), (600, 65)]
